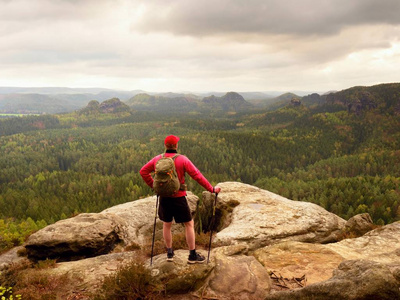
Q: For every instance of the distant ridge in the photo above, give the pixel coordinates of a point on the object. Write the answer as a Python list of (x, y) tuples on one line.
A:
[(361, 98), (185, 103), (162, 103), (54, 100), (275, 102), (64, 99)]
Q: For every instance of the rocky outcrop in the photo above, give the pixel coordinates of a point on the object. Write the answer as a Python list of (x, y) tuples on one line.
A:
[(354, 279), (359, 224), (12, 257), (263, 218), (230, 274), (359, 99), (294, 259), (317, 262), (295, 102), (139, 217), (88, 235), (237, 276), (380, 245), (258, 233), (85, 235), (180, 276), (229, 102), (113, 105), (88, 272), (365, 101)]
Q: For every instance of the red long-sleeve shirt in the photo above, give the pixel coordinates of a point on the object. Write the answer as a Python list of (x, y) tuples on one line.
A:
[(182, 165)]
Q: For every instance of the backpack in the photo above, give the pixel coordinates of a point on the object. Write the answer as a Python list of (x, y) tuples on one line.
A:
[(166, 181)]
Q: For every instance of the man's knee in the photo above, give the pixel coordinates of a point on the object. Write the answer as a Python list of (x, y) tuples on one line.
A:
[(189, 224), (167, 225)]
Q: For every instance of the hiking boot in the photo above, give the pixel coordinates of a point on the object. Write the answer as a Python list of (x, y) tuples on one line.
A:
[(197, 258), (170, 255)]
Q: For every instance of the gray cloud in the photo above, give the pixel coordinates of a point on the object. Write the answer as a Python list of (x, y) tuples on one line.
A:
[(46, 10), (293, 17), (199, 44)]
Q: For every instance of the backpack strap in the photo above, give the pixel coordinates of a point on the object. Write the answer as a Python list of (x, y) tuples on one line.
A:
[(175, 156), (182, 187)]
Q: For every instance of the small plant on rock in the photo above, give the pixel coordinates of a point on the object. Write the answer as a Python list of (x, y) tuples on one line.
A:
[(130, 282), (7, 294)]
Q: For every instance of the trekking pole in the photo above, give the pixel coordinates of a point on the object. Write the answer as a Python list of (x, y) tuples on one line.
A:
[(154, 233), (212, 224)]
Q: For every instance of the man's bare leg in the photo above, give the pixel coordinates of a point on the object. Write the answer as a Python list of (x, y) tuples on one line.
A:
[(190, 236), (167, 234), (194, 257)]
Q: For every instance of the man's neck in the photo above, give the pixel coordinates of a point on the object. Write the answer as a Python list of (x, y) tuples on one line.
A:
[(171, 151)]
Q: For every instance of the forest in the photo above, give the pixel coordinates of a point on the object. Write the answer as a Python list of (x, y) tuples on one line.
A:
[(56, 166)]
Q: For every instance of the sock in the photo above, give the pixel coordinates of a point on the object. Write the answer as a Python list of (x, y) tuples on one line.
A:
[(169, 250), (192, 252)]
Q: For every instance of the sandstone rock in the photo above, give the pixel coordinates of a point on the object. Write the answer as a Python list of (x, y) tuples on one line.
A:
[(87, 274), (88, 235), (294, 259), (380, 245), (180, 277), (396, 273), (11, 257), (85, 235), (238, 276), (359, 224), (317, 262), (354, 279), (139, 218), (264, 218), (228, 275), (254, 222)]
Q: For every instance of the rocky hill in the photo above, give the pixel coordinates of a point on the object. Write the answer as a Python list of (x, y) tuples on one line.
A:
[(185, 103), (229, 102), (166, 103), (385, 97), (54, 100), (313, 99), (35, 103), (113, 105), (266, 247), (59, 100)]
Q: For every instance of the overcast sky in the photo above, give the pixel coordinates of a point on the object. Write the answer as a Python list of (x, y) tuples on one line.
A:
[(200, 45)]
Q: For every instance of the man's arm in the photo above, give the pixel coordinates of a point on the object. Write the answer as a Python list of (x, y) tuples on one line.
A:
[(193, 172), (146, 171)]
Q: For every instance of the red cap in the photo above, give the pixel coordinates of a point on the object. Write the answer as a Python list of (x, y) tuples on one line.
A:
[(171, 139)]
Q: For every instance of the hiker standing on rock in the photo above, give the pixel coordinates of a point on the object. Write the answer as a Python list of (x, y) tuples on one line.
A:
[(173, 203)]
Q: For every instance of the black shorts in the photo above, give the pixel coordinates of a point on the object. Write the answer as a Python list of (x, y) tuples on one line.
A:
[(174, 208)]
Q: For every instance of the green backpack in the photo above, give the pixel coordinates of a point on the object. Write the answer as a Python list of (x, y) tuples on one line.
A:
[(166, 181)]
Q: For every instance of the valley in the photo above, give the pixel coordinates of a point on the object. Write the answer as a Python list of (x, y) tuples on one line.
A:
[(340, 151)]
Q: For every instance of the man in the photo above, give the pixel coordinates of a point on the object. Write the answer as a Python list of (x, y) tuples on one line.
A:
[(176, 206)]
